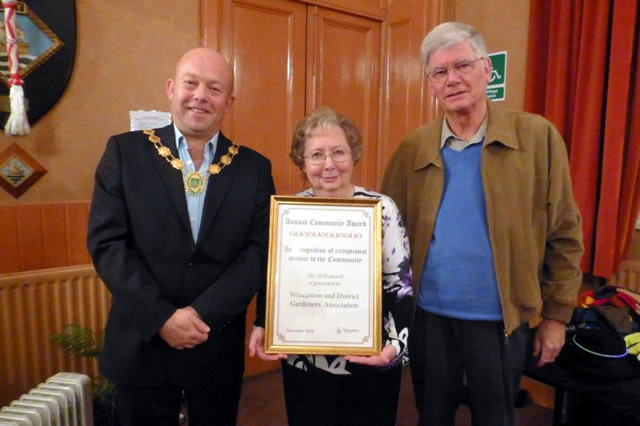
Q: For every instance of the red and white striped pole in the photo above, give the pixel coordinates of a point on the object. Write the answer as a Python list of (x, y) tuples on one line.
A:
[(17, 124)]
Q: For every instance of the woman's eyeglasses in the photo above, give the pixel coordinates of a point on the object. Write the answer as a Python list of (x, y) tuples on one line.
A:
[(317, 158)]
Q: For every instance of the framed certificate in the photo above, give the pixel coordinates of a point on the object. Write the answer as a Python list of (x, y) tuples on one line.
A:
[(324, 282)]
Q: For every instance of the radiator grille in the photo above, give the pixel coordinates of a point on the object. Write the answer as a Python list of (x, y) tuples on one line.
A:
[(64, 399), (33, 306)]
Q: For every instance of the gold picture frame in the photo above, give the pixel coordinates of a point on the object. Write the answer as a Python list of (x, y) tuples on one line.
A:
[(324, 279)]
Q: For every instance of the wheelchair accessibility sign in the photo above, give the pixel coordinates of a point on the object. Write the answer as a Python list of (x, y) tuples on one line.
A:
[(497, 86)]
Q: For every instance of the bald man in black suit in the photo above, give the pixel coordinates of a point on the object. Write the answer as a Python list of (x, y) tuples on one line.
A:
[(178, 232)]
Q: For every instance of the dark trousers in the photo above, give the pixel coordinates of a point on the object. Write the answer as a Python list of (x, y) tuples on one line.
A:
[(445, 350), (160, 405), (324, 399)]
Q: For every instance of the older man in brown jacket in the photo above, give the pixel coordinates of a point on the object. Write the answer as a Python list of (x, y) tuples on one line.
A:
[(495, 235)]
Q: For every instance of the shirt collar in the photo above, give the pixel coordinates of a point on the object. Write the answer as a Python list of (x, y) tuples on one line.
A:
[(500, 130), (210, 147), (476, 138)]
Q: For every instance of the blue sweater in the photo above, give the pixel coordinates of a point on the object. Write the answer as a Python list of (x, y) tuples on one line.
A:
[(459, 278)]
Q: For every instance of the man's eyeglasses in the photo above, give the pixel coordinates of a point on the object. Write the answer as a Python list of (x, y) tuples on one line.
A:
[(317, 158), (438, 75)]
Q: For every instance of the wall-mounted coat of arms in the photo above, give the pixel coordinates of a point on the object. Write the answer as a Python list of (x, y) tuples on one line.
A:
[(41, 38)]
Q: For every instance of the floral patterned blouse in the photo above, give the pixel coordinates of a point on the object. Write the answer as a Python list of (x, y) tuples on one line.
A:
[(397, 292)]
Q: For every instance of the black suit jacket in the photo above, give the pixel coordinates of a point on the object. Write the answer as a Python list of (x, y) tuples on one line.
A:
[(141, 244)]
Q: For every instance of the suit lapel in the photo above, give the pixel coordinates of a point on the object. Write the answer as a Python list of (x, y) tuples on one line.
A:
[(172, 178), (217, 187)]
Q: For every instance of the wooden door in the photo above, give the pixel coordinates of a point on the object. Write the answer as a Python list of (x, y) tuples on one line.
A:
[(290, 57), (272, 45), (343, 69), (264, 40), (406, 101), (265, 43)]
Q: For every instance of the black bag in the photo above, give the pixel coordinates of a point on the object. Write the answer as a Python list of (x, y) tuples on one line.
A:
[(595, 348)]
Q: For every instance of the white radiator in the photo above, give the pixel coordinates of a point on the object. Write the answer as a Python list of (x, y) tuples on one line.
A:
[(63, 400), (33, 306)]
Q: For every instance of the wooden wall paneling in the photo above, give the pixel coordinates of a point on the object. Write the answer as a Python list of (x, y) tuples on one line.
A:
[(29, 225), (54, 236), (266, 49), (343, 73), (403, 85), (77, 223), (211, 12), (406, 100), (42, 236), (370, 8), (438, 11), (10, 256)]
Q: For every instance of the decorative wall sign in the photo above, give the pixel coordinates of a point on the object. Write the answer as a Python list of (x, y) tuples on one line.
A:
[(46, 33), (18, 170)]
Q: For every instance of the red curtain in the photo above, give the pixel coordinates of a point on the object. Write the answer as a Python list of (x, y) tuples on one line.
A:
[(582, 74)]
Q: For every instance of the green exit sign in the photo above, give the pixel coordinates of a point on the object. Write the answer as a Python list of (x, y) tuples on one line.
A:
[(496, 90)]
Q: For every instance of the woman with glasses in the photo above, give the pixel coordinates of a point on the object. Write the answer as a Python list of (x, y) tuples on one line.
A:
[(347, 390)]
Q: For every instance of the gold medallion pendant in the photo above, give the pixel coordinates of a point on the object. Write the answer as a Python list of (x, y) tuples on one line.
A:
[(194, 183)]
